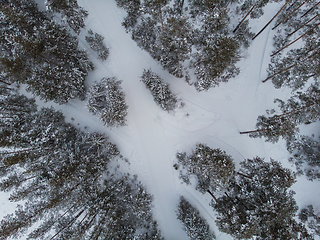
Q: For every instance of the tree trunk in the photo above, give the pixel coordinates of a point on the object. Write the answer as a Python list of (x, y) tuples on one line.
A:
[(254, 131), (20, 151), (5, 82), (296, 110), (293, 41), (302, 25), (283, 70), (6, 88), (289, 14), (244, 175), (244, 18), (271, 20), (69, 223), (310, 9), (212, 195)]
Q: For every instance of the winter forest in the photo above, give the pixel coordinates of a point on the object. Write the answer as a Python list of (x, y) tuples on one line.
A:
[(160, 119)]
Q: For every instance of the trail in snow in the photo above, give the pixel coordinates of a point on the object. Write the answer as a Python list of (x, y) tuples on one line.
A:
[(152, 137)]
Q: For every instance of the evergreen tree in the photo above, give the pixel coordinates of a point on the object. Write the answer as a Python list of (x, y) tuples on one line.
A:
[(71, 12), (300, 108), (212, 168), (40, 53), (195, 226), (198, 38), (67, 180), (133, 8), (96, 43), (305, 154), (216, 62), (174, 44), (107, 100), (307, 215), (159, 90), (262, 206)]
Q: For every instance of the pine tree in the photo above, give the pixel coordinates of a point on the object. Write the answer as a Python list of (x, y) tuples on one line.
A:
[(307, 215), (107, 100), (305, 154), (174, 44), (261, 207), (160, 91), (212, 168), (66, 179), (71, 12), (195, 226), (41, 53), (96, 43)]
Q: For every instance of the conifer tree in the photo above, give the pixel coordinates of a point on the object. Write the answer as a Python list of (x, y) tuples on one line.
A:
[(160, 91), (66, 179), (71, 12), (96, 43), (305, 154), (195, 226), (40, 53), (308, 215), (107, 100), (211, 167), (262, 207)]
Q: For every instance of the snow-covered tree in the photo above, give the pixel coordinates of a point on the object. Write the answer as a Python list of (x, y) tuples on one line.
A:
[(160, 91), (95, 41), (182, 34), (305, 154), (300, 108), (66, 179), (107, 100), (174, 45), (70, 11), (212, 167), (194, 224), (260, 205), (308, 216), (40, 53)]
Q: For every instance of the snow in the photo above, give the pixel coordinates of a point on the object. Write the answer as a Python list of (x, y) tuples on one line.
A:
[(152, 137)]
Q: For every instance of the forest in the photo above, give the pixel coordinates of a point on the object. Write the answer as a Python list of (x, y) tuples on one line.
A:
[(75, 181)]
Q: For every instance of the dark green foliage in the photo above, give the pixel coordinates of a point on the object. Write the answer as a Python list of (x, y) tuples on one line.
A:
[(133, 9), (67, 179), (260, 205), (159, 90), (96, 43), (188, 34), (216, 62), (107, 100), (40, 53), (195, 226), (174, 45), (71, 12), (307, 215), (300, 108), (274, 127), (212, 167), (305, 154), (296, 69), (257, 12)]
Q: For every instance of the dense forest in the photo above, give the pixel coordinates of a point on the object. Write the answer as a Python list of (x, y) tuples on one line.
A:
[(70, 180)]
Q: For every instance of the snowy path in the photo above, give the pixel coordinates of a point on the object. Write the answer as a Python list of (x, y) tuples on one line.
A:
[(152, 137)]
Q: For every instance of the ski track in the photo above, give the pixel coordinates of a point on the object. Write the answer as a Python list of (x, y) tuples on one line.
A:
[(152, 137)]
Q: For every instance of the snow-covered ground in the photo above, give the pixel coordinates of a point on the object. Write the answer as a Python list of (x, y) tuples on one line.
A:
[(152, 137)]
